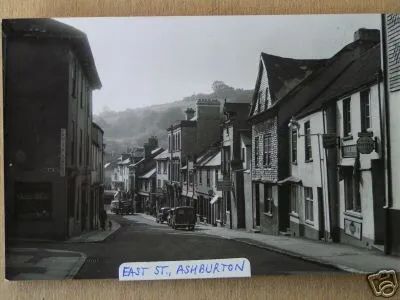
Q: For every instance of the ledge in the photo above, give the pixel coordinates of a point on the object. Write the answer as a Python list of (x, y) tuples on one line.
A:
[(353, 214)]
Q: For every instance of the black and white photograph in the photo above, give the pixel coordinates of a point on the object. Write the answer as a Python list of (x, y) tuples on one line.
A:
[(272, 139)]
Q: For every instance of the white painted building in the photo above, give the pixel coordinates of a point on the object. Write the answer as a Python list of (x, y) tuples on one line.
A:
[(391, 73)]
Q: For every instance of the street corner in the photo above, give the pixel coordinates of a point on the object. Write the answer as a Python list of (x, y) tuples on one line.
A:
[(42, 264), (96, 236)]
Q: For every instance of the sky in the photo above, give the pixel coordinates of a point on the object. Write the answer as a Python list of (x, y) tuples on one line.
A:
[(144, 61)]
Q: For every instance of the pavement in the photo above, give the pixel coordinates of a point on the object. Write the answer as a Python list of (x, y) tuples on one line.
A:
[(44, 264), (27, 263), (95, 236), (341, 256)]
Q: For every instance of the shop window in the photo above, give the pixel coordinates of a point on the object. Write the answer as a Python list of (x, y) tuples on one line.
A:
[(294, 198), (33, 200)]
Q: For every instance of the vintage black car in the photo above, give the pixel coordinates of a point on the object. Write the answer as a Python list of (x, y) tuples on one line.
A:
[(183, 217), (120, 207), (162, 215)]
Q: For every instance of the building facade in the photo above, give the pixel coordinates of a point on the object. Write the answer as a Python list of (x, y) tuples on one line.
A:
[(186, 139), (48, 128), (235, 122), (96, 203), (336, 193), (391, 74), (209, 206)]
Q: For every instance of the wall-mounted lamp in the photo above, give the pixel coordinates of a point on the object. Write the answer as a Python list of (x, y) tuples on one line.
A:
[(293, 123)]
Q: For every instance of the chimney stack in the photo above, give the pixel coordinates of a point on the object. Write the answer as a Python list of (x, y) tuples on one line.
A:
[(151, 144), (364, 34), (189, 113)]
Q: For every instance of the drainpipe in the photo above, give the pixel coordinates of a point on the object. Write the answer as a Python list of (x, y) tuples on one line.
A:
[(386, 143)]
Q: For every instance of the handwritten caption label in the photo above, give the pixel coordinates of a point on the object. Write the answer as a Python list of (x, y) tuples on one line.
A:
[(188, 269)]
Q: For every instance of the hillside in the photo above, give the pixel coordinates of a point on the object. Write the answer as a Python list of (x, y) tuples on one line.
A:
[(132, 127)]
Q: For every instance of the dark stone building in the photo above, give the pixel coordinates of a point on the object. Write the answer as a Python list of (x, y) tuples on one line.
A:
[(49, 76)]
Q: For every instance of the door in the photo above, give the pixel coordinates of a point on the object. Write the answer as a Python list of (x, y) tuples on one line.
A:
[(321, 214), (378, 194), (257, 204)]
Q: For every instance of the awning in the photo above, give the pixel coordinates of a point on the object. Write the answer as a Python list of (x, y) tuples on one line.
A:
[(215, 199), (290, 179)]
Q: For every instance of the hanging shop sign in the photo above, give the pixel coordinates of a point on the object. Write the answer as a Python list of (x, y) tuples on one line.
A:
[(329, 140), (365, 143)]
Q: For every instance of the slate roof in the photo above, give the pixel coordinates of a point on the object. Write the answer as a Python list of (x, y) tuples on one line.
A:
[(285, 73), (320, 80), (149, 174), (162, 155), (52, 29), (361, 72)]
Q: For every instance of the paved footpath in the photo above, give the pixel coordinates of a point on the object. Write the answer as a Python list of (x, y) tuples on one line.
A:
[(344, 257), (38, 263), (27, 263)]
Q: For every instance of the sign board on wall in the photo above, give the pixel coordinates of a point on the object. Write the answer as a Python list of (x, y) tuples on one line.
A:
[(63, 136), (365, 143), (353, 228), (224, 185), (329, 140)]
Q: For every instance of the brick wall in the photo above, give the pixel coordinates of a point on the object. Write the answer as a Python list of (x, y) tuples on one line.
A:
[(261, 172)]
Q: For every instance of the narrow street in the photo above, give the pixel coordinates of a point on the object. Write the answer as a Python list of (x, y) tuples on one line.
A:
[(142, 239)]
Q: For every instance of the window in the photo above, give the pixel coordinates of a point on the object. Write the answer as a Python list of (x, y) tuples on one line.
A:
[(268, 199), (169, 143), (208, 177), (74, 78), (351, 191), (242, 158), (146, 185), (33, 200), (346, 117), (267, 150), (256, 149), (216, 177), (80, 146), (87, 151), (158, 167), (81, 90), (307, 141), (165, 167), (226, 160), (159, 183), (309, 204), (200, 175), (365, 110), (259, 99), (294, 146), (294, 198), (73, 143)]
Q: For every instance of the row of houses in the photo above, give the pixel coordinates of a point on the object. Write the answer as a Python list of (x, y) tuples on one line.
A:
[(53, 154), (306, 157), (312, 154)]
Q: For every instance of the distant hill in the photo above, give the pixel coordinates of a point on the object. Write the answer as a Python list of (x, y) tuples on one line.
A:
[(132, 127)]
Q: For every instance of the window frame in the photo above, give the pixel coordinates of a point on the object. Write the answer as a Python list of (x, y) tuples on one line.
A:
[(267, 157), (294, 199), (309, 204), (346, 106), (256, 151), (307, 142), (293, 145), (365, 102)]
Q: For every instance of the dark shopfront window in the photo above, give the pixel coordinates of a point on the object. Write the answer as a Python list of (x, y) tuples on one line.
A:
[(33, 200)]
